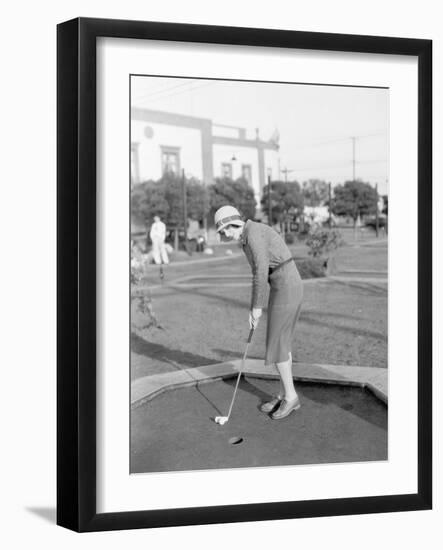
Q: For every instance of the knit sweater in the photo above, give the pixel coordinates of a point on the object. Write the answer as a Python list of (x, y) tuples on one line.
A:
[(265, 249)]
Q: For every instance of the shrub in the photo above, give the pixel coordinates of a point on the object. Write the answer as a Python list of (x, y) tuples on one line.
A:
[(322, 241), (140, 295), (311, 268)]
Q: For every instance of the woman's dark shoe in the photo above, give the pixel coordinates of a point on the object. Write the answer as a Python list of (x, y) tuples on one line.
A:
[(270, 405), (285, 409)]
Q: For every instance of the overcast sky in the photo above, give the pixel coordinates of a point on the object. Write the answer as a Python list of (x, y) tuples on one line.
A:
[(316, 123)]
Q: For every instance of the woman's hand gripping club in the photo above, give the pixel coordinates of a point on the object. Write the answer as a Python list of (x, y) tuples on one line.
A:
[(254, 317)]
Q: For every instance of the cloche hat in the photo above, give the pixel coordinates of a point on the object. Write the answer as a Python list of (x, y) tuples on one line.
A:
[(227, 215)]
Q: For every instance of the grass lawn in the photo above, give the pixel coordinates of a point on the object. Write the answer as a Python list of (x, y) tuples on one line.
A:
[(341, 322), (371, 258)]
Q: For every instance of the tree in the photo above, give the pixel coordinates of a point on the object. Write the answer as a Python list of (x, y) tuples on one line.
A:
[(385, 205), (315, 192), (286, 197), (164, 198), (238, 193), (322, 242), (148, 200), (354, 198), (174, 196), (197, 197)]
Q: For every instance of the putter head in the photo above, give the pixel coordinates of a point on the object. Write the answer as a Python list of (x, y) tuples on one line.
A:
[(221, 420)]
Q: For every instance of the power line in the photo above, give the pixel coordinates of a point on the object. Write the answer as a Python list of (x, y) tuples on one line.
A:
[(313, 168), (375, 161), (336, 140), (164, 96), (305, 169), (163, 90), (384, 134)]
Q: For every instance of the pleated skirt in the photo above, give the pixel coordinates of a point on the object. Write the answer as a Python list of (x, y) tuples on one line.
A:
[(284, 306)]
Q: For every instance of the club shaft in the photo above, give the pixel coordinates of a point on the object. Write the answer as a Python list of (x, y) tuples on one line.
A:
[(239, 374)]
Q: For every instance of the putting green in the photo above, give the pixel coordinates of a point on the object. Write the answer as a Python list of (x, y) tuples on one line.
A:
[(175, 431)]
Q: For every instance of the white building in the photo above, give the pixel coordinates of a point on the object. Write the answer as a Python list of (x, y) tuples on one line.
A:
[(168, 142)]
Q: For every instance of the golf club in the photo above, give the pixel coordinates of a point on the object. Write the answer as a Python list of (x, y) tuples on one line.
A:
[(223, 419)]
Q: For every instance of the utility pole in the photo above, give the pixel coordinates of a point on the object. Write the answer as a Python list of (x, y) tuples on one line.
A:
[(376, 210), (185, 211), (269, 202), (330, 205), (353, 157), (286, 172), (205, 214)]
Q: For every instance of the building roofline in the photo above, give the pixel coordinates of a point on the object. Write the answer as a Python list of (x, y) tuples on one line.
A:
[(164, 117), (243, 142), (186, 121)]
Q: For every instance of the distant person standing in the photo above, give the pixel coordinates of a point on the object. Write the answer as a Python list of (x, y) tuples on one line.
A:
[(158, 236)]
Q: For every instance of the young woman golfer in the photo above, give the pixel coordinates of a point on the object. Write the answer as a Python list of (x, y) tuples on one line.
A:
[(271, 262)]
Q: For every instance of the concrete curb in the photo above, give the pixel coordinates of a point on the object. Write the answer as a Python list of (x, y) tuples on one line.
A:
[(350, 279), (371, 271), (373, 378)]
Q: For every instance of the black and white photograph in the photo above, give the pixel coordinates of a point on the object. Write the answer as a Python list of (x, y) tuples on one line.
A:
[(220, 290), (259, 227)]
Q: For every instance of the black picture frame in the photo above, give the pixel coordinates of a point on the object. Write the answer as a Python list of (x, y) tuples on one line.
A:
[(76, 273)]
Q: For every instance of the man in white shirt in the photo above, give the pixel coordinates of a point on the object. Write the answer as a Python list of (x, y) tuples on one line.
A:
[(158, 235)]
